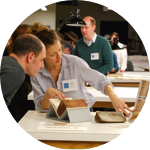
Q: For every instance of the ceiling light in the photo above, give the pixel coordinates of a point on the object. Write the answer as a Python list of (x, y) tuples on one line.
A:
[(72, 20), (75, 19)]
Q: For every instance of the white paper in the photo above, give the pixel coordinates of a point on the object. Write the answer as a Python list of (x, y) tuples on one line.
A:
[(60, 126)]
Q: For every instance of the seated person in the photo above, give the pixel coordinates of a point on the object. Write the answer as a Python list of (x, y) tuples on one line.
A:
[(71, 38), (120, 50), (67, 47), (61, 68), (116, 67)]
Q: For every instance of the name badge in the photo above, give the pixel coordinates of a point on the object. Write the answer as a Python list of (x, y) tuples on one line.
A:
[(69, 85), (94, 56)]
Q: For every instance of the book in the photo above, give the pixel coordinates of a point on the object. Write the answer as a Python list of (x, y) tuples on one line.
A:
[(69, 110), (109, 117), (60, 106), (117, 74), (140, 99)]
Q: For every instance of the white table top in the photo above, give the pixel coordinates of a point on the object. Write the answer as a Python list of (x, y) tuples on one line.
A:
[(140, 64), (137, 57), (131, 77), (129, 94), (101, 132), (144, 66)]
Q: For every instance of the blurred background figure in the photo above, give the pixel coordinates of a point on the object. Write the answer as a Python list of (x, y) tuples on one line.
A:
[(71, 38), (120, 50), (116, 67), (67, 48), (21, 29), (35, 26)]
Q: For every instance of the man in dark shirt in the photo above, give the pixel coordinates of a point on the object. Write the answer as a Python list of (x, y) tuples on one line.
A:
[(27, 57)]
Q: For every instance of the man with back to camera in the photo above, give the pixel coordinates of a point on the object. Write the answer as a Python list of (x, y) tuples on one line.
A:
[(94, 49), (27, 58)]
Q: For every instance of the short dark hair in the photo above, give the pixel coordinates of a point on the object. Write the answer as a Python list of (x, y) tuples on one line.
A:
[(27, 43), (114, 33)]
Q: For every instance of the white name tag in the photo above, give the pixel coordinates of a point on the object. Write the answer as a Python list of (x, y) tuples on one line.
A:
[(94, 56), (69, 85)]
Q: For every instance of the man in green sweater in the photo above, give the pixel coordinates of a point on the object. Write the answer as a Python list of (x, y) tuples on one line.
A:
[(94, 49)]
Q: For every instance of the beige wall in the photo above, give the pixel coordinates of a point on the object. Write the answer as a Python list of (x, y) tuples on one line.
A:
[(44, 17)]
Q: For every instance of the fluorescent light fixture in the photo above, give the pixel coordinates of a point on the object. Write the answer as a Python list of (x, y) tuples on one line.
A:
[(44, 8)]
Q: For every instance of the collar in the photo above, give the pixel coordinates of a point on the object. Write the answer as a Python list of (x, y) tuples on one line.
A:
[(66, 61), (92, 40)]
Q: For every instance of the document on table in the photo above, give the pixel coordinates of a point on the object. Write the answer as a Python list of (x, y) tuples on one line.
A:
[(60, 126)]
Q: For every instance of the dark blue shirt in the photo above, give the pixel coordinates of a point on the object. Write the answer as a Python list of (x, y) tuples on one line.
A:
[(116, 67)]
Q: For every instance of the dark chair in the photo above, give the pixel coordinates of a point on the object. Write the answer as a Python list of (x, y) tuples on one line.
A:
[(129, 66)]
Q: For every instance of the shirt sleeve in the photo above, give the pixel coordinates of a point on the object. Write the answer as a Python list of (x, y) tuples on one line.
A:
[(11, 80), (38, 95), (93, 77), (123, 59)]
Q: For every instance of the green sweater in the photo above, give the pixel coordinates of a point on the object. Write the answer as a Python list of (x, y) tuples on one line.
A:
[(105, 62)]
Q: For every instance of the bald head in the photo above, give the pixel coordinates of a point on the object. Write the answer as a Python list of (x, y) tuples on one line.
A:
[(88, 30), (89, 19)]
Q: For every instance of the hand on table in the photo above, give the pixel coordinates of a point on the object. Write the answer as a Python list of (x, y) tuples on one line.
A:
[(120, 105), (113, 70), (123, 71), (53, 93)]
